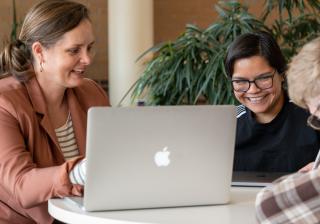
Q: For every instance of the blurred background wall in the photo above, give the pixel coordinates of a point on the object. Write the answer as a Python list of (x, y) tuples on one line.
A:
[(170, 18)]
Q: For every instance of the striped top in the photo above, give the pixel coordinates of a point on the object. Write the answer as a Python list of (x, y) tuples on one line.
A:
[(67, 140), (69, 148)]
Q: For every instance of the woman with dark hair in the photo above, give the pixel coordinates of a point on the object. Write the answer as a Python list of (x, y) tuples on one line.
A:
[(272, 134), (295, 198), (44, 99)]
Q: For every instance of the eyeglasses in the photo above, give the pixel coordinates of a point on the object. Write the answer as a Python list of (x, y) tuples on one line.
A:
[(264, 81), (313, 120)]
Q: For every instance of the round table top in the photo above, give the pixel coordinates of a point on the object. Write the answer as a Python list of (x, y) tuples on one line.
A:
[(240, 210)]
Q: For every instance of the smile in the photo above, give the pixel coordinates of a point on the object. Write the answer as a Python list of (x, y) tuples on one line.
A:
[(78, 71), (255, 99)]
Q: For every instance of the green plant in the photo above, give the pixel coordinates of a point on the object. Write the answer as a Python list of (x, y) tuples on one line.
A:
[(14, 28), (191, 68), (297, 22), (181, 70)]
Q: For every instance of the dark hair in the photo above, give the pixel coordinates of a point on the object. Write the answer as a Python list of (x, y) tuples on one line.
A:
[(253, 44), (45, 22)]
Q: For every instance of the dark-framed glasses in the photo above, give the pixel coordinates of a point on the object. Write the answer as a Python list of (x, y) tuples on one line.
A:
[(313, 120), (264, 81)]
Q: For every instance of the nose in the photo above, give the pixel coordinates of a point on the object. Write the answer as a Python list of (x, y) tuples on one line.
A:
[(253, 88), (85, 58)]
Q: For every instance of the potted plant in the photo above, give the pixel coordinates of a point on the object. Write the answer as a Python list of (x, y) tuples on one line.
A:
[(297, 22), (13, 35), (190, 69)]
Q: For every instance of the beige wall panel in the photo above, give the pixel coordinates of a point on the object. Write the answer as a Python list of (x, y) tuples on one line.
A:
[(171, 16)]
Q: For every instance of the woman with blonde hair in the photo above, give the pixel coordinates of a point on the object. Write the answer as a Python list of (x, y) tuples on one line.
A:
[(44, 99), (296, 198)]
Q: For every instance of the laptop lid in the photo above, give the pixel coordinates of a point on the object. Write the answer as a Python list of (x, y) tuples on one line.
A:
[(151, 157)]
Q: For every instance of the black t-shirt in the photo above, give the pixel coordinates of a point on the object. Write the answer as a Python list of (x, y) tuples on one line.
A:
[(286, 144)]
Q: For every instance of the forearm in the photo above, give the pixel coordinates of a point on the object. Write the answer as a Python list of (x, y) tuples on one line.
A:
[(28, 181), (40, 184), (290, 200)]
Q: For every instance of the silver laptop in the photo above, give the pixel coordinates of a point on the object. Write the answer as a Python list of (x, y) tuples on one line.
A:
[(153, 157)]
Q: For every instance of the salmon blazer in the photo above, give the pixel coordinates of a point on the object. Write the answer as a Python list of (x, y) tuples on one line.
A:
[(32, 166)]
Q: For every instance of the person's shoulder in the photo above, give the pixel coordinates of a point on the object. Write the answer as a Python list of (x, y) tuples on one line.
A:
[(10, 85), (240, 111), (89, 86), (88, 83), (12, 90), (13, 95), (89, 90), (293, 108)]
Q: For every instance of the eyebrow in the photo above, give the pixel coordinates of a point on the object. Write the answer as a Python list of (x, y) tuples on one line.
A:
[(258, 76), (80, 45)]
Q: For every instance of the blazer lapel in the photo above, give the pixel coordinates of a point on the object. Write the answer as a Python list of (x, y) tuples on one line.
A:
[(79, 120), (38, 101)]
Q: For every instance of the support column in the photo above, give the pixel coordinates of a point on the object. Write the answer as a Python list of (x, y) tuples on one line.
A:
[(130, 30)]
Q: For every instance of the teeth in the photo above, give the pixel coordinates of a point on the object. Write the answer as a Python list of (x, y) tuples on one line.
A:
[(79, 71), (255, 99)]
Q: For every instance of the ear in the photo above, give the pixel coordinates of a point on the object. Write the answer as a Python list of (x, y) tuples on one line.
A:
[(38, 52)]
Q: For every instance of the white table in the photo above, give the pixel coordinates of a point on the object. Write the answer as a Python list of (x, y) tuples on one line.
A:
[(239, 211)]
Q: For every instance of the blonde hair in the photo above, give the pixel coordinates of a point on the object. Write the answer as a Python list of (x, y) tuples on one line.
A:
[(45, 22), (303, 75)]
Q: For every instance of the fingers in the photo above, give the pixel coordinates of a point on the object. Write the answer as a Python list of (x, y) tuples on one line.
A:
[(77, 190)]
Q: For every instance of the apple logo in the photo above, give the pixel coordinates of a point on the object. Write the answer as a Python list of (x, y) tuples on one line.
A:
[(161, 158)]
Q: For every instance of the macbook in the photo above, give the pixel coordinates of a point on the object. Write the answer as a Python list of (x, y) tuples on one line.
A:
[(153, 157)]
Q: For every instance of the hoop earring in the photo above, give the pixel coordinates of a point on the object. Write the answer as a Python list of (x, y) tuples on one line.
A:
[(41, 68)]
